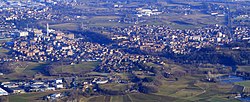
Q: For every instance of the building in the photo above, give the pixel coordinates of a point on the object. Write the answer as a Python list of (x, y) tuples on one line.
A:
[(24, 34), (59, 86), (59, 81), (3, 92), (18, 90), (102, 82)]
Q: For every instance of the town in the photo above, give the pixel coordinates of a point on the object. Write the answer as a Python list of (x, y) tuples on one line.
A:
[(122, 51)]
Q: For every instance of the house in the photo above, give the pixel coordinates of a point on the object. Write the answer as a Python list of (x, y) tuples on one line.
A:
[(9, 85), (54, 96), (50, 89), (102, 82), (17, 90), (58, 81), (24, 33), (59, 86)]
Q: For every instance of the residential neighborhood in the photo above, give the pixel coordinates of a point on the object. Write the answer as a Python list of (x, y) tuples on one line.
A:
[(124, 50)]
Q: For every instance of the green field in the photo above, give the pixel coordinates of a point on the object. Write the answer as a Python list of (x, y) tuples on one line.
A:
[(95, 21), (135, 97), (77, 68), (244, 83), (185, 90), (24, 70), (3, 51), (244, 69), (31, 97), (31, 68), (26, 97), (114, 86), (65, 26)]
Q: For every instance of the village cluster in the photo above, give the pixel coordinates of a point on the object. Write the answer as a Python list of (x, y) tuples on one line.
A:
[(162, 38)]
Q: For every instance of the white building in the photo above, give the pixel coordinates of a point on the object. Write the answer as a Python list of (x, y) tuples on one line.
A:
[(102, 82), (24, 33), (3, 92), (59, 86), (59, 81)]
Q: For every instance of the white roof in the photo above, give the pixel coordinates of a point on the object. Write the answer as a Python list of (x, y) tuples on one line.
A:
[(3, 92)]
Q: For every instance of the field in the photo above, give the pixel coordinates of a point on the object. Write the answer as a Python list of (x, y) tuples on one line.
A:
[(187, 89), (24, 70), (28, 97), (77, 68), (29, 68), (244, 69), (181, 21), (95, 21), (114, 86), (177, 19), (134, 97), (3, 51), (65, 26), (244, 83)]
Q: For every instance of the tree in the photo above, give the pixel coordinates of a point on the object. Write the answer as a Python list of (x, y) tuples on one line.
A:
[(147, 89), (148, 79)]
